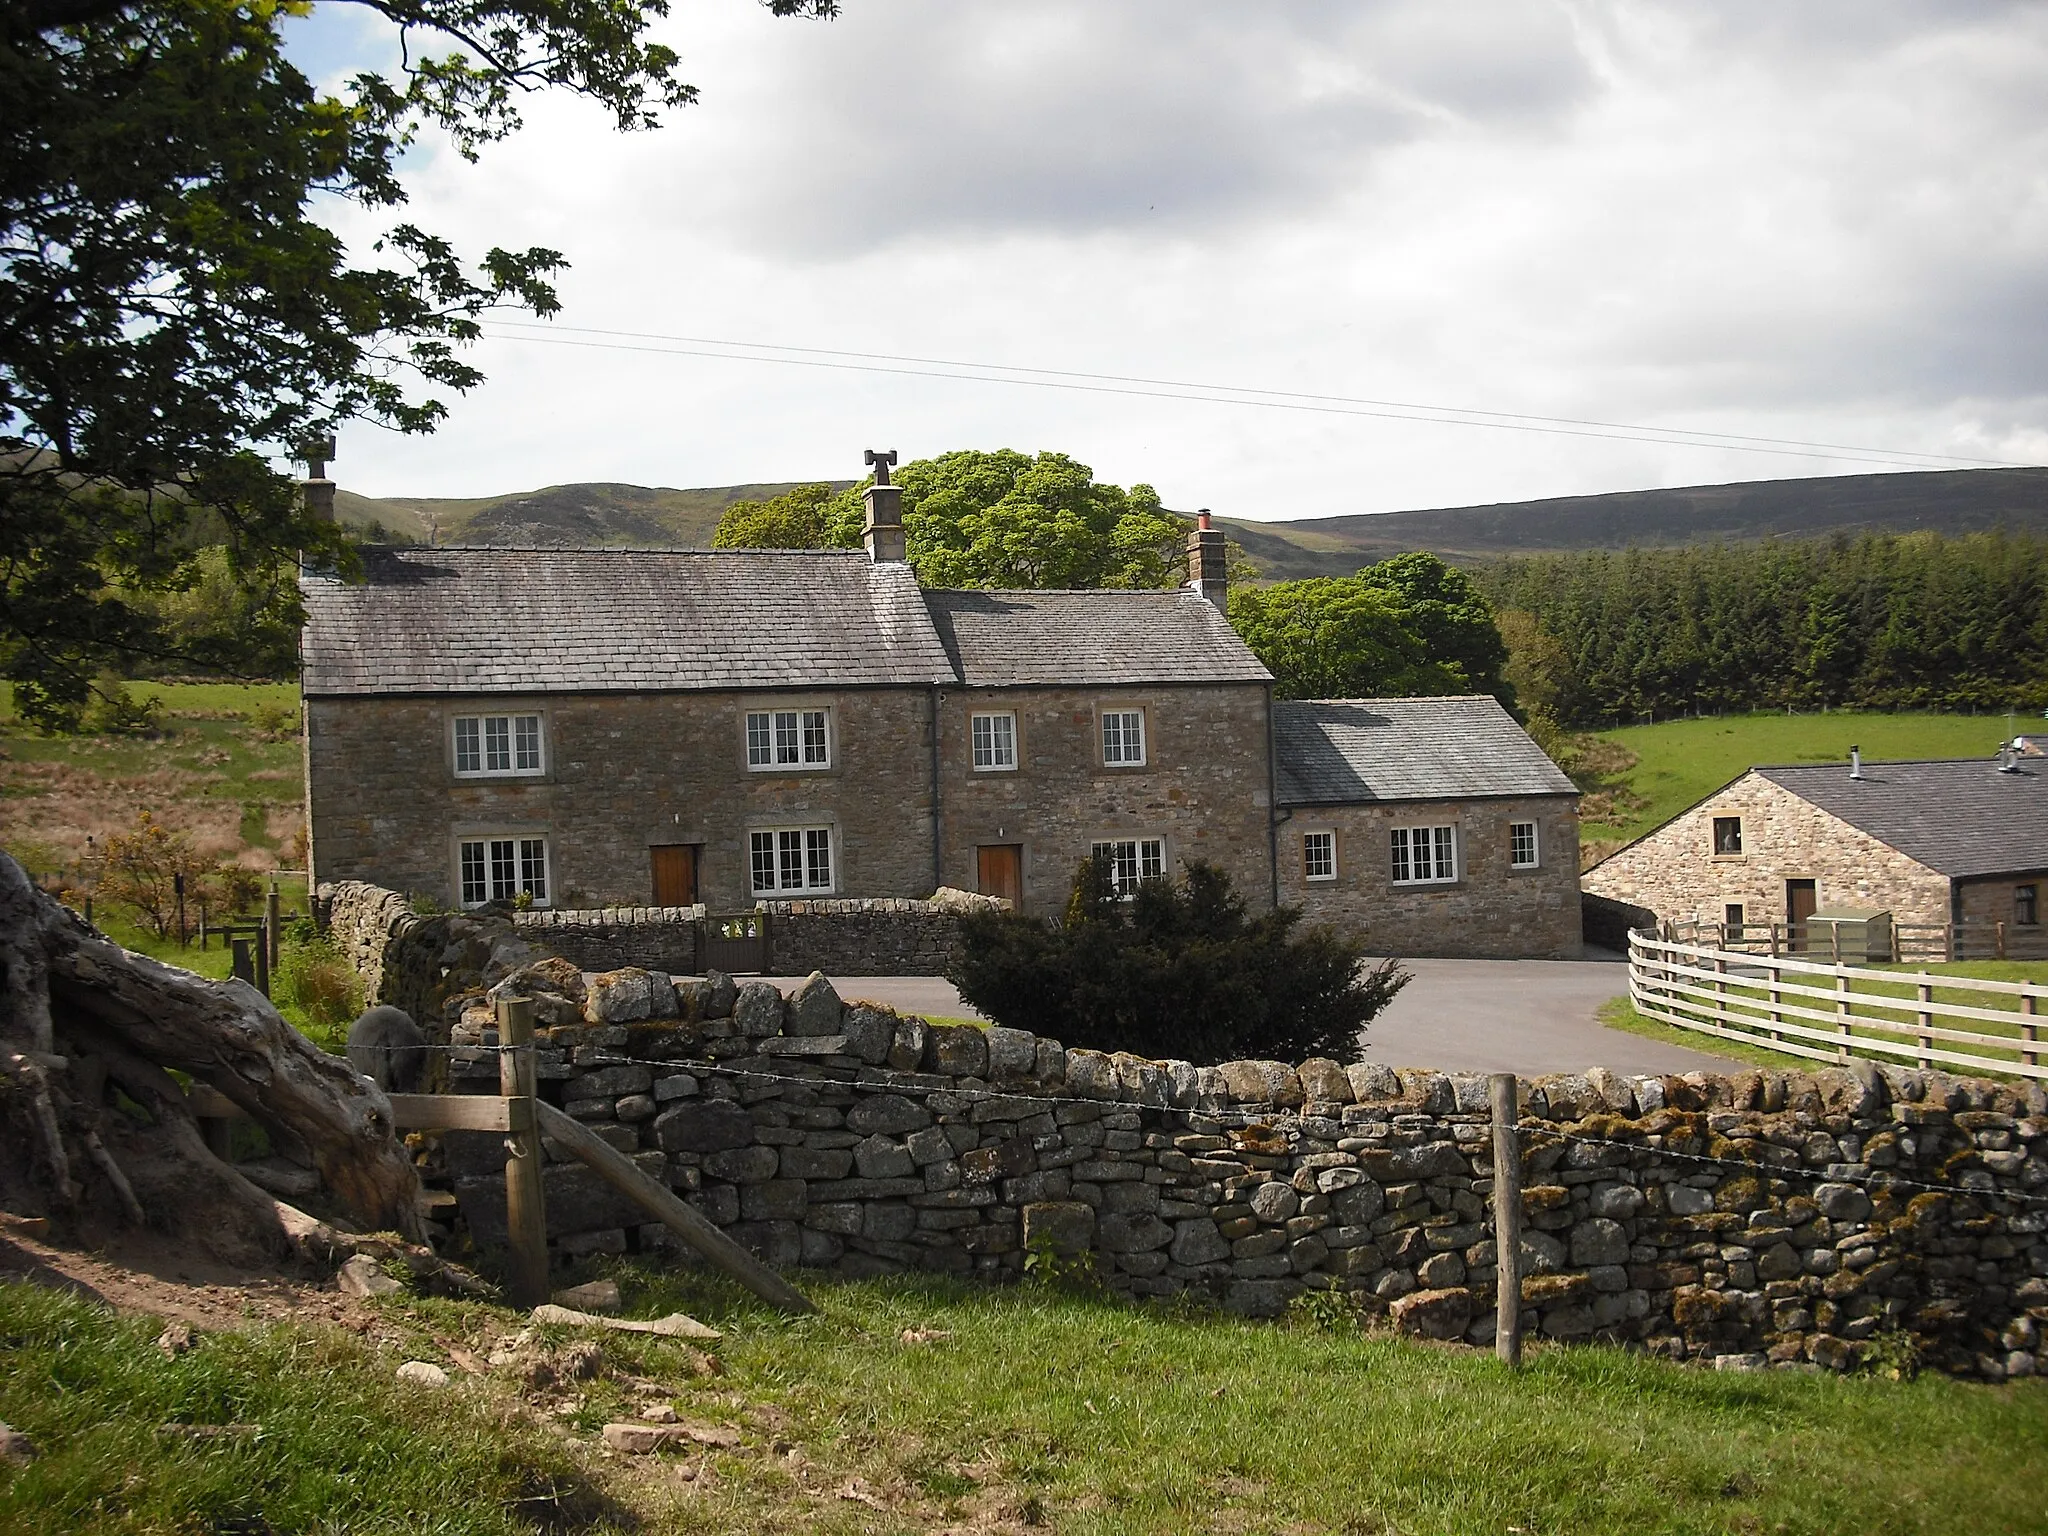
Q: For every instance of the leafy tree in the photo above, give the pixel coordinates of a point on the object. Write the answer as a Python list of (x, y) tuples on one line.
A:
[(1001, 519), (797, 519), (140, 869), (1332, 637), (171, 316), (1449, 615), (1179, 971)]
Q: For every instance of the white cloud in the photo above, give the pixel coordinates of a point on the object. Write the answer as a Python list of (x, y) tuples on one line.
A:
[(1818, 222)]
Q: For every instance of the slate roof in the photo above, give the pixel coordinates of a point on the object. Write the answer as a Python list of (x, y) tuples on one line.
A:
[(1958, 816), (1351, 751), (1022, 639), (502, 619)]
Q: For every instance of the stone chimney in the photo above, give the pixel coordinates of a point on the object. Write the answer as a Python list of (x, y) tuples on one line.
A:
[(1205, 562), (884, 503), (318, 452)]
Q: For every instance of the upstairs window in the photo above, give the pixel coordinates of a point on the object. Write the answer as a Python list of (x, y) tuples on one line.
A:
[(791, 859), (1522, 845), (1424, 855), (488, 745), (1132, 860), (1727, 836), (504, 869), (789, 738), (995, 742), (1319, 855), (1123, 738)]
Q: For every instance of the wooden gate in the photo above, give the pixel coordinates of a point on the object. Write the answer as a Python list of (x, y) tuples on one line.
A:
[(736, 945)]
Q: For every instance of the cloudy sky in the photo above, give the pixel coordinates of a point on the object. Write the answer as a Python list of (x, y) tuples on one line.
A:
[(1825, 222)]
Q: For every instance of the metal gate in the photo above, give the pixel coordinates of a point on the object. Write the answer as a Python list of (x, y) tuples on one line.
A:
[(736, 944)]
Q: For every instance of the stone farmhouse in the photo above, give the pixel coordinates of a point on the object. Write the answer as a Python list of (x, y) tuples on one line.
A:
[(1428, 826), (624, 727), (1948, 841)]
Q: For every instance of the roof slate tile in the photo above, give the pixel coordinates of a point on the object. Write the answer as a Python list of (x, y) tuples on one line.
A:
[(1958, 816)]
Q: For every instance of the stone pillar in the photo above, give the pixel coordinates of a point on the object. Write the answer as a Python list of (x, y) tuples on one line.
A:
[(884, 529)]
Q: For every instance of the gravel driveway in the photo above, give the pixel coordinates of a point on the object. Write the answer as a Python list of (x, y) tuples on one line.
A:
[(1526, 1016)]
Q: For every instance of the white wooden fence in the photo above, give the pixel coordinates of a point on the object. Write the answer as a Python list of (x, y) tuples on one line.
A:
[(1830, 1012)]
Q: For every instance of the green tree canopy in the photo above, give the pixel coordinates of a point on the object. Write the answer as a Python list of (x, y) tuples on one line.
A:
[(1407, 626), (982, 519), (800, 518), (1449, 615), (172, 314)]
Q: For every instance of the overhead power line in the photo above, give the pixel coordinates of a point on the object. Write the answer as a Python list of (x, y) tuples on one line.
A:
[(725, 350)]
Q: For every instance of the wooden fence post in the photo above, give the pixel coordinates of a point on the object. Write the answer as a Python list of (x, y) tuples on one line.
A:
[(526, 1218), (1926, 1022), (1777, 993), (1843, 1027), (1507, 1219), (272, 925), (263, 958), (239, 964), (1999, 938), (2029, 1036)]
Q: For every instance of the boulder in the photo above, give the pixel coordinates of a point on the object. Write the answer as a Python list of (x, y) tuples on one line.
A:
[(906, 1048), (1196, 1241), (814, 1008), (1091, 1075), (1598, 1241), (1263, 1082), (703, 1125), (887, 1113), (1435, 1314), (958, 1050), (870, 1031), (758, 1010), (629, 994), (1324, 1082), (1012, 1054), (423, 1373), (1274, 1202), (1369, 1081)]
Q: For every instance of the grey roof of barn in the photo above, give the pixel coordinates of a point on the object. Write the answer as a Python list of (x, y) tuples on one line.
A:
[(1958, 816), (1023, 639), (509, 620), (501, 619), (1352, 751)]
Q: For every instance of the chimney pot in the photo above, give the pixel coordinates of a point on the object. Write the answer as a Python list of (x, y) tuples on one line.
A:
[(1855, 762)]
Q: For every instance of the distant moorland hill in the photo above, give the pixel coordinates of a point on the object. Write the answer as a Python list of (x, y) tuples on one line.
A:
[(1940, 501)]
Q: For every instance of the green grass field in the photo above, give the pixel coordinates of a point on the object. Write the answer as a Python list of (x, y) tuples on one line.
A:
[(913, 1405), (225, 769), (1682, 761)]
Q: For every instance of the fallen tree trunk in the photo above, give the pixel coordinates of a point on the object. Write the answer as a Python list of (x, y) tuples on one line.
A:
[(88, 1034)]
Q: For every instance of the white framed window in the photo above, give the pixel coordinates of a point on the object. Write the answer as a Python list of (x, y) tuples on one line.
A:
[(1131, 860), (1522, 849), (1424, 855), (789, 738), (503, 869), (1319, 855), (1123, 738), (790, 859), (490, 746), (995, 742)]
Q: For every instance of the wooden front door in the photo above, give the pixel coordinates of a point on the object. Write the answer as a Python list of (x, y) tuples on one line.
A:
[(675, 875), (1000, 871), (1801, 899)]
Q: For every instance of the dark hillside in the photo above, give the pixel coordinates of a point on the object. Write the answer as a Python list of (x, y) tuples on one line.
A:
[(597, 513), (1941, 501)]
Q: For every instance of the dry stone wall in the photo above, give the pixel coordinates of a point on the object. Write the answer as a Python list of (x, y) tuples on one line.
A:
[(1753, 1219), (880, 936), (417, 962)]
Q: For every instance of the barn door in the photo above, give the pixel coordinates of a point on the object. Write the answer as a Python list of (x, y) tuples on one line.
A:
[(1000, 871), (675, 875), (1802, 899)]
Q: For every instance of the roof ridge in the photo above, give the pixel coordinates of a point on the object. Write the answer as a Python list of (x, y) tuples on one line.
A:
[(1871, 762), (608, 549)]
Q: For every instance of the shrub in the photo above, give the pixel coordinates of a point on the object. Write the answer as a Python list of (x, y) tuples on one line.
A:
[(113, 711), (140, 870), (312, 976), (274, 722), (1173, 971)]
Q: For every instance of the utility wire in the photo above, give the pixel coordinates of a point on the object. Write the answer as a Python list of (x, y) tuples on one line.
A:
[(1216, 394)]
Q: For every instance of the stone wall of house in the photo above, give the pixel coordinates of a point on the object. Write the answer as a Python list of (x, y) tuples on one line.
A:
[(1983, 903), (882, 936), (1203, 789), (1675, 872), (416, 962), (1752, 1219), (1609, 923), (1491, 910), (624, 773)]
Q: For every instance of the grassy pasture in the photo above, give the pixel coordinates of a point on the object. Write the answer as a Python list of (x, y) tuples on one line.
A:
[(1680, 762), (923, 1405), (224, 770)]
